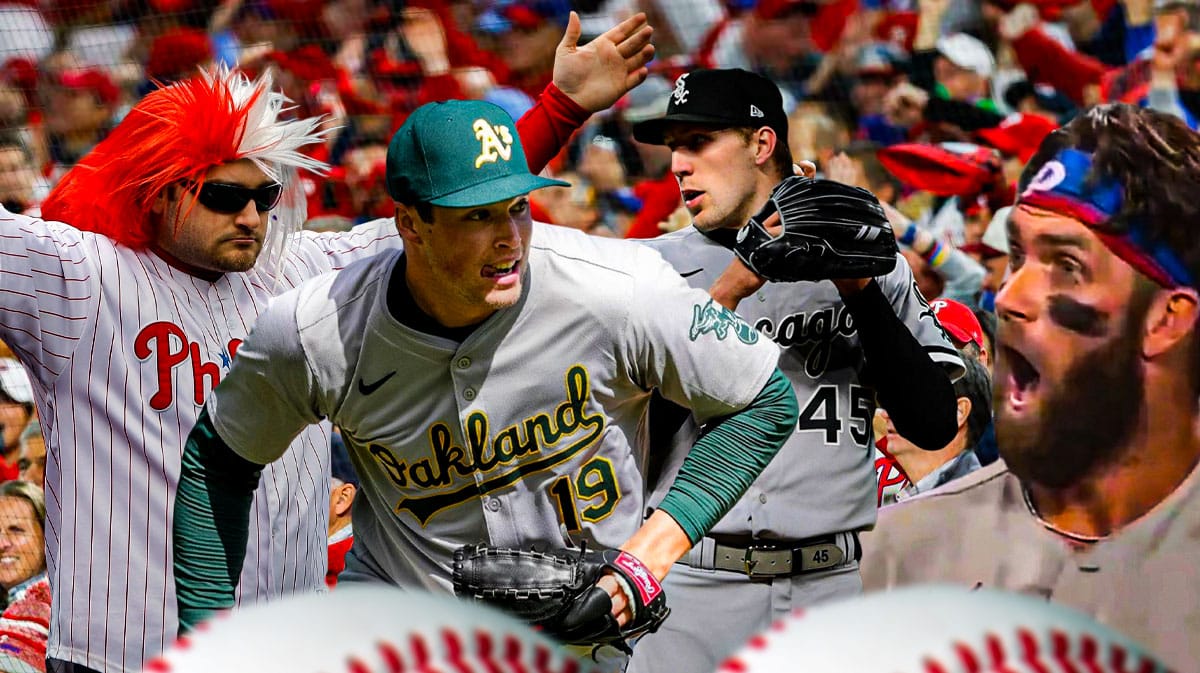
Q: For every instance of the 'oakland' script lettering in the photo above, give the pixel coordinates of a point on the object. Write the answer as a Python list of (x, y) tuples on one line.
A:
[(485, 452), (488, 453)]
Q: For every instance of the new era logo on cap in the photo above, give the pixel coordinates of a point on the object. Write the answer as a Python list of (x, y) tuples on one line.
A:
[(726, 98)]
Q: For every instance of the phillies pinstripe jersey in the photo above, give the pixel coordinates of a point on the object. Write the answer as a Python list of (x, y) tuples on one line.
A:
[(823, 480), (123, 349)]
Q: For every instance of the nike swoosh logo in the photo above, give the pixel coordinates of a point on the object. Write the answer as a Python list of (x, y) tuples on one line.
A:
[(367, 389), (691, 273)]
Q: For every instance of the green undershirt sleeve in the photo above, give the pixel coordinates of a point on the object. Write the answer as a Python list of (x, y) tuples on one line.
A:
[(212, 522), (729, 456)]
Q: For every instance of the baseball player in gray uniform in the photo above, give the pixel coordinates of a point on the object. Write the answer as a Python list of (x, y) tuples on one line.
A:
[(491, 382), (1096, 501), (791, 541)]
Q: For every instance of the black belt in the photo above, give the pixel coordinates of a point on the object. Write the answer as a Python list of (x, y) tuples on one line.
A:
[(765, 559)]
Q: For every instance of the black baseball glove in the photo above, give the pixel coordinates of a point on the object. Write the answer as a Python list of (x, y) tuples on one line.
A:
[(557, 592), (818, 230)]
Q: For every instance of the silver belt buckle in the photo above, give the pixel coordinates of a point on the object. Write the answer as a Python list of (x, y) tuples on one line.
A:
[(765, 562), (820, 556)]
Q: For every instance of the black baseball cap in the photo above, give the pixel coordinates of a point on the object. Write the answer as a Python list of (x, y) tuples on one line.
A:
[(725, 98)]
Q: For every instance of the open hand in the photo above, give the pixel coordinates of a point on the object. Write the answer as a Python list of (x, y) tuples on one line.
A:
[(597, 74)]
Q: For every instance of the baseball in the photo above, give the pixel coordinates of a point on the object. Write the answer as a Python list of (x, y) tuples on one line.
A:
[(941, 629), (365, 629)]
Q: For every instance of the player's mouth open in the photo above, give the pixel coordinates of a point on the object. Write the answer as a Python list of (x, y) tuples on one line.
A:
[(1023, 378), (502, 270), (691, 198)]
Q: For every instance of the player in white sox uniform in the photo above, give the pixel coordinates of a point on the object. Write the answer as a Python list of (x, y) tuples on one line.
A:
[(791, 541), (491, 383), (126, 334)]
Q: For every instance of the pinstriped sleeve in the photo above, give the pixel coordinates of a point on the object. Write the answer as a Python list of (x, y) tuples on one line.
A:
[(49, 292)]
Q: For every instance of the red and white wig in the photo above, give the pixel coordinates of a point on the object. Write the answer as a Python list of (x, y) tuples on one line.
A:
[(177, 133)]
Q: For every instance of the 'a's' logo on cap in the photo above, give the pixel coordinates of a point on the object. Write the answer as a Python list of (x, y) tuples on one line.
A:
[(681, 92), (495, 142)]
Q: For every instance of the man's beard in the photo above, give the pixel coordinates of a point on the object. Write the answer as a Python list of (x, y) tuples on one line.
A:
[(1085, 420)]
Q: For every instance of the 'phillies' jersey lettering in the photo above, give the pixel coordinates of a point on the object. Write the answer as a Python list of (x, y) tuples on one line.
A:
[(169, 346), (818, 329), (888, 478), (485, 452)]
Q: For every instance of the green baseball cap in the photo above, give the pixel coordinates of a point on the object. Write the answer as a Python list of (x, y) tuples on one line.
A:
[(458, 154)]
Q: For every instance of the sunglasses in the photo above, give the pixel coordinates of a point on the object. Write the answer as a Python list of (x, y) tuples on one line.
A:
[(221, 197)]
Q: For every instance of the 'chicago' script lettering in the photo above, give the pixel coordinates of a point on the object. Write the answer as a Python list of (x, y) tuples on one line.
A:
[(818, 329), (169, 347), (487, 452)]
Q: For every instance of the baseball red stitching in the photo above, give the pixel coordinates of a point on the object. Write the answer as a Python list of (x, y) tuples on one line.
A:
[(1058, 652)]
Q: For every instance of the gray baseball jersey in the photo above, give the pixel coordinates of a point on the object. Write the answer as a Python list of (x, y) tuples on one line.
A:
[(531, 425), (980, 531), (823, 480), (123, 349)]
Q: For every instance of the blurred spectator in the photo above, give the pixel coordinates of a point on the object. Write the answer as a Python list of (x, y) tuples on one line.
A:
[(878, 67), (178, 53), (1040, 99), (528, 32), (16, 411), (814, 134), (341, 499), (1162, 76), (929, 469), (778, 40), (23, 624), (32, 463), (859, 165), (13, 108), (963, 69), (573, 206), (651, 192), (83, 101), (365, 197), (21, 189), (964, 329), (940, 269)]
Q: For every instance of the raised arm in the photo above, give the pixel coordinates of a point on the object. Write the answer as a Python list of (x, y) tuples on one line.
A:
[(587, 79)]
